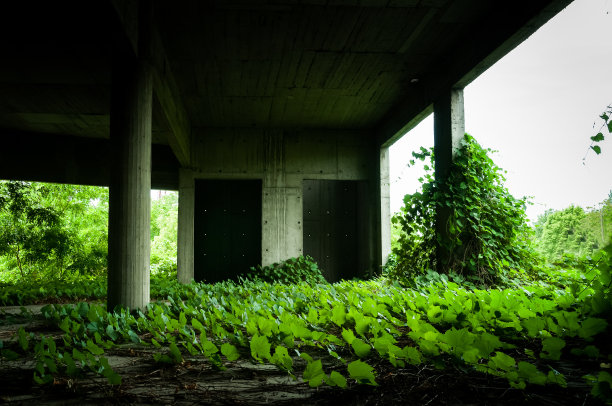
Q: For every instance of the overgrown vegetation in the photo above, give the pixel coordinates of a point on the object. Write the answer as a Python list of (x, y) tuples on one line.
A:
[(574, 231), (487, 236), (290, 271)]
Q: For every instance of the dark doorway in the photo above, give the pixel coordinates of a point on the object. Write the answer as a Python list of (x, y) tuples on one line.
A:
[(335, 227), (227, 228)]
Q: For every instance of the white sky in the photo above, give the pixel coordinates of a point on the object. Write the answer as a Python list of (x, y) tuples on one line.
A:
[(537, 107)]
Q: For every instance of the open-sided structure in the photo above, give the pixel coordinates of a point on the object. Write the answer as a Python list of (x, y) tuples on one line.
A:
[(270, 117)]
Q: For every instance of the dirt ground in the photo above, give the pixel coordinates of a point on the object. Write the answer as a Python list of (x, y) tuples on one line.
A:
[(245, 383)]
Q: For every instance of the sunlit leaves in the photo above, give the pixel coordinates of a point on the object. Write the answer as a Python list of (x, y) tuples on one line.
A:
[(314, 374), (260, 348), (361, 348), (362, 372), (230, 352)]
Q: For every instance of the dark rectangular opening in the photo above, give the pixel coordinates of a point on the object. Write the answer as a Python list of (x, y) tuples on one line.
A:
[(227, 228), (336, 227)]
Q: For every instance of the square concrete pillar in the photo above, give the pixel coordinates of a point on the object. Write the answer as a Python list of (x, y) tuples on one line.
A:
[(186, 213), (385, 206), (449, 129), (129, 242)]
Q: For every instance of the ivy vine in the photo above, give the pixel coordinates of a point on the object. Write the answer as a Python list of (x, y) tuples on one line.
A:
[(486, 237)]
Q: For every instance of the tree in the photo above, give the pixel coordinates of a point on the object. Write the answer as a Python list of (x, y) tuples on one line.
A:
[(30, 232), (568, 231), (48, 229), (164, 230)]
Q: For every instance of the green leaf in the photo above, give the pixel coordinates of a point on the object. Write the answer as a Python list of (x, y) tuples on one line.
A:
[(361, 348), (531, 373), (486, 343), (596, 148), (197, 325), (458, 340), (348, 336), (412, 355), (93, 348), (230, 352), (177, 357), (361, 372), (338, 315), (598, 137), (534, 326), (314, 374), (9, 354), (260, 348), (24, 342), (551, 348), (110, 331), (208, 347), (281, 358), (112, 377), (502, 361), (556, 377), (592, 326), (337, 379), (434, 314), (71, 368)]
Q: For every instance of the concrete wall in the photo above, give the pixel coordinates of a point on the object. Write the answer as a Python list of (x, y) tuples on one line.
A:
[(283, 159)]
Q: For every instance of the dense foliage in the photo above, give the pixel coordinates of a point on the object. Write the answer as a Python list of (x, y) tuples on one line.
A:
[(574, 231), (292, 270), (338, 334), (58, 232), (47, 231), (487, 236)]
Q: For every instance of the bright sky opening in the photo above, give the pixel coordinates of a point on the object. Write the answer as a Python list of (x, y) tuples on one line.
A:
[(538, 107)]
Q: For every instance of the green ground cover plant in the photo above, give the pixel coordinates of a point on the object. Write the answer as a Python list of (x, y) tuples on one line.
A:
[(338, 334)]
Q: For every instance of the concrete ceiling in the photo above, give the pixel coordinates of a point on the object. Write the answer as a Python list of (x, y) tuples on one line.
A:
[(333, 64)]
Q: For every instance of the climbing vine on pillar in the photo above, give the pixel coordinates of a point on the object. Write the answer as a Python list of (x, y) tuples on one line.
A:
[(487, 234)]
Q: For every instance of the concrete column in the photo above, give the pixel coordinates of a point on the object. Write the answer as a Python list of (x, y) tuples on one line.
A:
[(185, 226), (385, 206), (129, 243), (449, 129), (281, 205)]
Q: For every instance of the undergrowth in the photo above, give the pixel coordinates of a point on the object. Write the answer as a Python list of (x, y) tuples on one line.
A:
[(338, 334)]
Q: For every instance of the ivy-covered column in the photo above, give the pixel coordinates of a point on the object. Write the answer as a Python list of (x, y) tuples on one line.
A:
[(449, 129)]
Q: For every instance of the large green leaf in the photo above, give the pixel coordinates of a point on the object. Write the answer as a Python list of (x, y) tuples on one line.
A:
[(260, 348), (314, 374), (230, 351), (362, 372), (361, 348)]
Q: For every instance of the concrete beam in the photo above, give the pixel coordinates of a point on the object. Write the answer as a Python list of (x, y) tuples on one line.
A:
[(132, 16), (74, 160), (463, 65), (186, 213)]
